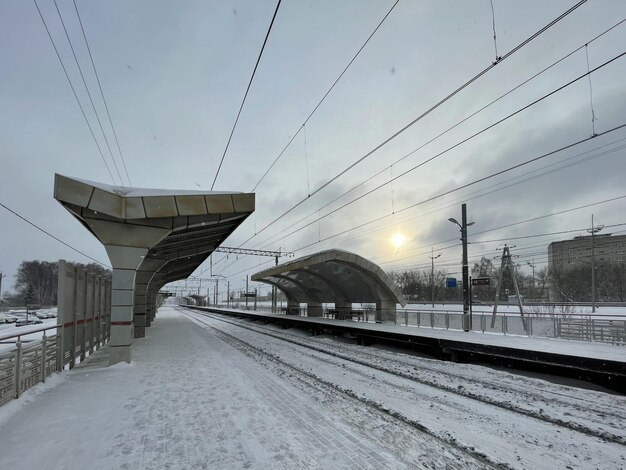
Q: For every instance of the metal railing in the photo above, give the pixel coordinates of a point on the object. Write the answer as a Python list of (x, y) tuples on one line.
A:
[(28, 364), (609, 329)]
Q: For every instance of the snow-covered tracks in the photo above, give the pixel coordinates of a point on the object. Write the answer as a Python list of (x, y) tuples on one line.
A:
[(504, 415), (450, 452)]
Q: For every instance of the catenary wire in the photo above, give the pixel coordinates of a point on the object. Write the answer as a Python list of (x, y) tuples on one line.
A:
[(492, 175), (69, 81), (325, 95), (421, 116), (93, 106), (106, 106), (503, 184), (469, 184), (454, 126), (245, 95), (52, 236)]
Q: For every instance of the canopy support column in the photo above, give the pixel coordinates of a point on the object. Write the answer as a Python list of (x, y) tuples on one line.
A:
[(314, 309), (125, 261)]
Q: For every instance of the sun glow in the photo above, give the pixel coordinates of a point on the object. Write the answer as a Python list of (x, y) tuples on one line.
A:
[(397, 240)]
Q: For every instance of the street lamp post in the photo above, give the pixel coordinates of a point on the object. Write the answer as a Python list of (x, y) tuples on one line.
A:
[(432, 275), (467, 320)]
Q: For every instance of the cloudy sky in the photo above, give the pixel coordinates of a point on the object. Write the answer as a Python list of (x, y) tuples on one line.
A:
[(174, 75)]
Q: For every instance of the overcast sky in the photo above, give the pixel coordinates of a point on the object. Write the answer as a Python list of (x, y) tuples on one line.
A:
[(174, 75)]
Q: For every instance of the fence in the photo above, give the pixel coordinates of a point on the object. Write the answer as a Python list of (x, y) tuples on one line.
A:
[(591, 329), (83, 325), (565, 326), (28, 364), (551, 326), (84, 310)]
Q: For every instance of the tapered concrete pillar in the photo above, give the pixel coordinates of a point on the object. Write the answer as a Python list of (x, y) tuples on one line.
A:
[(385, 311), (140, 310), (342, 306), (314, 309), (125, 261), (293, 308)]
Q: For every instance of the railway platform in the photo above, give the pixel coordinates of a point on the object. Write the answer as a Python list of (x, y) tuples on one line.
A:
[(598, 363)]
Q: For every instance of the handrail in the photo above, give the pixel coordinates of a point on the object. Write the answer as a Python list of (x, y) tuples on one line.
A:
[(3, 338), (526, 312)]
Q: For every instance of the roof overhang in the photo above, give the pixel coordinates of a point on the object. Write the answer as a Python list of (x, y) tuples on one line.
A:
[(331, 276), (180, 229)]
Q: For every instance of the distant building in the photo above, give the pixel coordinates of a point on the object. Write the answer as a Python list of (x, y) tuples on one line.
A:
[(569, 254), (569, 265)]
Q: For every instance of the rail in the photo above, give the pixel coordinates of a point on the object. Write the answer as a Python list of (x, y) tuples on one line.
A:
[(28, 364), (3, 339)]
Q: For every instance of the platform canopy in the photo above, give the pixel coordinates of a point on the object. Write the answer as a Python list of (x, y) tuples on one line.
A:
[(333, 276), (152, 237)]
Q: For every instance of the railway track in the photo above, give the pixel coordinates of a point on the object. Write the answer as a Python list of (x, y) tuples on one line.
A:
[(311, 380), (523, 400)]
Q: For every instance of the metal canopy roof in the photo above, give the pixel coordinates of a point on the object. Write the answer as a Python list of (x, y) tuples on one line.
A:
[(179, 228), (332, 276)]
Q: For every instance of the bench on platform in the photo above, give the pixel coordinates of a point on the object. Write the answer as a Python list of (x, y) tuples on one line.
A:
[(345, 314)]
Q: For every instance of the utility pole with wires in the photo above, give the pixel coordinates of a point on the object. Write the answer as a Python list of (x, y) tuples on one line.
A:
[(1, 276), (432, 274), (593, 230), (507, 263)]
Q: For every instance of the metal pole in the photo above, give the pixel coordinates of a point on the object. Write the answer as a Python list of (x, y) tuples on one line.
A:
[(593, 268), (466, 298), (432, 275), (228, 294), (246, 294), (217, 290), (1, 276), (275, 292)]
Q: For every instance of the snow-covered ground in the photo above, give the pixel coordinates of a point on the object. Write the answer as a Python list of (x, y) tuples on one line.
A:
[(208, 392), (9, 329)]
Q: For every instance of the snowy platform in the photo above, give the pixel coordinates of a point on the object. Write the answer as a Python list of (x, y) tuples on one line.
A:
[(188, 400), (598, 363)]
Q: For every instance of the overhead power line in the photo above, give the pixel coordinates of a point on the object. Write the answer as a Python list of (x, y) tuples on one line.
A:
[(69, 81), (245, 95), (106, 106), (377, 219), (457, 124), (482, 193), (93, 106), (424, 114), (52, 236), (325, 95), (571, 82)]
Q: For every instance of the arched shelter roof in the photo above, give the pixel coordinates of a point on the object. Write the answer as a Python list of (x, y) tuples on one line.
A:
[(331, 276), (179, 228)]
